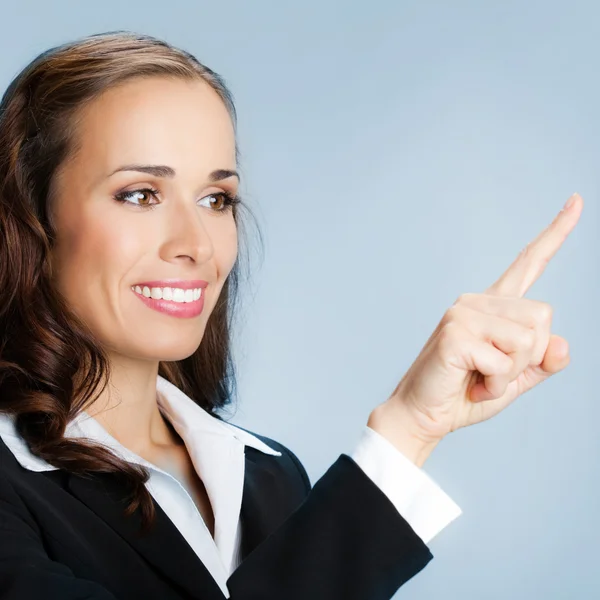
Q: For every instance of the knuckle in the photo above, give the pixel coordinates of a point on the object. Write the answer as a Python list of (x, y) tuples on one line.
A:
[(527, 338), (544, 313), (450, 316), (462, 298)]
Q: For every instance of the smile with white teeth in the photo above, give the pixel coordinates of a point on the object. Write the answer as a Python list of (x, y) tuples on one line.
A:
[(168, 293)]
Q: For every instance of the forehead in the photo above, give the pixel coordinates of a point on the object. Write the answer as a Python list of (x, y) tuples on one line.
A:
[(158, 120)]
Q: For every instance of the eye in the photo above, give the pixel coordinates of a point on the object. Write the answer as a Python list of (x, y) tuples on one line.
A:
[(139, 197), (225, 201)]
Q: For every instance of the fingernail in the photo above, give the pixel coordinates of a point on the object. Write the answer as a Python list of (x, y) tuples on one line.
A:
[(570, 201)]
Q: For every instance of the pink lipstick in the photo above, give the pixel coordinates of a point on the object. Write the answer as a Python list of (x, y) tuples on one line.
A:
[(193, 290)]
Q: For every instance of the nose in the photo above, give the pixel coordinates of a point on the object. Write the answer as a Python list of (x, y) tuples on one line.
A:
[(187, 234)]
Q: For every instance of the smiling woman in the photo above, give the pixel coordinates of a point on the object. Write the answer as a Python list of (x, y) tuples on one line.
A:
[(120, 232), (119, 269)]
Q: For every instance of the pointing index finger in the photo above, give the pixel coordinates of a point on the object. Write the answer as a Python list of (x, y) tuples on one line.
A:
[(532, 260)]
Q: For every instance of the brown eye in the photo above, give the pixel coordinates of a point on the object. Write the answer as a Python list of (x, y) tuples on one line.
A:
[(224, 201), (139, 197)]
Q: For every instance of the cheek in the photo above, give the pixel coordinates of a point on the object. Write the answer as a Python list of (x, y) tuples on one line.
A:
[(227, 250), (90, 257)]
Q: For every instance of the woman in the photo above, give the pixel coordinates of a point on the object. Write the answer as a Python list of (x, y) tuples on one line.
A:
[(119, 216)]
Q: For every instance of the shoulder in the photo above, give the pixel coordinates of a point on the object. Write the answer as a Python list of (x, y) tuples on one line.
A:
[(288, 460)]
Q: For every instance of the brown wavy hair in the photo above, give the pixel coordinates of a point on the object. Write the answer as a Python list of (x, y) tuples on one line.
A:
[(51, 365)]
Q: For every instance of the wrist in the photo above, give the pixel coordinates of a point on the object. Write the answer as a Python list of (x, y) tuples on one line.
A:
[(396, 425)]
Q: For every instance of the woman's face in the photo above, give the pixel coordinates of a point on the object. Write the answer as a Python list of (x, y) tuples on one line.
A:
[(182, 134)]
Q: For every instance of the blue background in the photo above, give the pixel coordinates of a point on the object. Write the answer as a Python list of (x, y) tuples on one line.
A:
[(398, 154)]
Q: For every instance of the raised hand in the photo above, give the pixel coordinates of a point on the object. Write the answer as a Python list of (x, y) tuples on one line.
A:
[(487, 350)]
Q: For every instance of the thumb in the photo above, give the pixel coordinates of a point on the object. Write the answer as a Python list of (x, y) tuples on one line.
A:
[(557, 356), (555, 360)]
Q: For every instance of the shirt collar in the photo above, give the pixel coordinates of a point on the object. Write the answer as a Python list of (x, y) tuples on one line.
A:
[(180, 409), (190, 420)]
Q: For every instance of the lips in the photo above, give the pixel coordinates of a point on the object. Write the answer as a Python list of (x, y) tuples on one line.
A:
[(174, 309)]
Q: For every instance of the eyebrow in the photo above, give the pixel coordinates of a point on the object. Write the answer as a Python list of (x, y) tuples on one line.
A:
[(165, 171)]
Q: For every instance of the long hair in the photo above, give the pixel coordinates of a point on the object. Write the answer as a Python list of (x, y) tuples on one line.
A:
[(51, 365)]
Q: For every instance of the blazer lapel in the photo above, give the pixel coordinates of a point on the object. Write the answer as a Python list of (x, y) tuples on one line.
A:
[(164, 547), (263, 509), (258, 512)]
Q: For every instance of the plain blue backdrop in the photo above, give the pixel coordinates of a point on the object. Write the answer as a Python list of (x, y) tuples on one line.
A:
[(398, 154)]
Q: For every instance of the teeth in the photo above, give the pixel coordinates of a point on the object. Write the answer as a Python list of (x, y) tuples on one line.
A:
[(167, 293)]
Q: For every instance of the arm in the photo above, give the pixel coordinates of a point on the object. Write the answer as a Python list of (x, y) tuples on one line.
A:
[(424, 505), (346, 541)]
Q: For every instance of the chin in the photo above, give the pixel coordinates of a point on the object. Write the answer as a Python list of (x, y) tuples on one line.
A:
[(165, 351), (175, 355)]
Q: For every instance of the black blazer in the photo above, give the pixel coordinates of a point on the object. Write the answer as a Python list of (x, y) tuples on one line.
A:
[(64, 537)]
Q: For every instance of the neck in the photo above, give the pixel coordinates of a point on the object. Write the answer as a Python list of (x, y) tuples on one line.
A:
[(128, 407)]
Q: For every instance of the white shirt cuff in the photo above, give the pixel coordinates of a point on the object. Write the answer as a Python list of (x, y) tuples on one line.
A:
[(420, 501)]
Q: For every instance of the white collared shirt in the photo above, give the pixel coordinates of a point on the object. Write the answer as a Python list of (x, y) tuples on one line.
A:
[(216, 449)]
